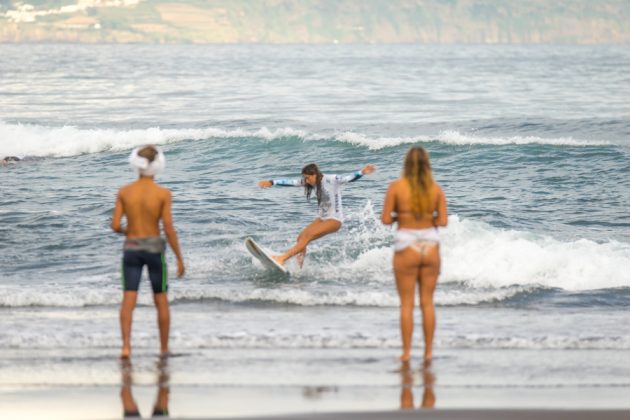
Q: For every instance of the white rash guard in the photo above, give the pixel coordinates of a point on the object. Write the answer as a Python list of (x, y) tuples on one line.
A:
[(330, 204)]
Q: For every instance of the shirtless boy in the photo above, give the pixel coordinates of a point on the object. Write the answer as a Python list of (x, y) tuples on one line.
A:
[(144, 203)]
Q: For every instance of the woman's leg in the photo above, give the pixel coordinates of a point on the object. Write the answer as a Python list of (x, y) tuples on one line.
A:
[(406, 273), (427, 277), (315, 230), (302, 254)]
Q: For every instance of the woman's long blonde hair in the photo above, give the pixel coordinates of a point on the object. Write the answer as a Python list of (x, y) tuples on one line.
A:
[(417, 172)]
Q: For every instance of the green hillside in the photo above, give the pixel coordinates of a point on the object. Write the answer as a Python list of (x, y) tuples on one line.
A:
[(317, 21)]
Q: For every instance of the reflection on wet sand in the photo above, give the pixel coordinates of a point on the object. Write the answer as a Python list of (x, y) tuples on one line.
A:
[(317, 392), (406, 387), (428, 396), (130, 408)]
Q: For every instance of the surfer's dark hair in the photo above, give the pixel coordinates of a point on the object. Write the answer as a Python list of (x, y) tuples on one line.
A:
[(312, 169)]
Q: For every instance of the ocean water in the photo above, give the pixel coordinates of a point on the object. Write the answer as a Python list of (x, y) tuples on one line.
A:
[(531, 145)]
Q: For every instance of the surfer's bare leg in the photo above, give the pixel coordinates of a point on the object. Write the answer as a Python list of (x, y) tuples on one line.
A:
[(302, 254), (300, 257), (315, 230), (126, 315)]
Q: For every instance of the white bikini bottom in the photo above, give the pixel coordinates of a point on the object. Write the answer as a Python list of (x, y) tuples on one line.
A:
[(404, 238)]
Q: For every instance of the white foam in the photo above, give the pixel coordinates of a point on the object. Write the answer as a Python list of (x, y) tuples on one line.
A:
[(71, 141), (456, 138), (54, 297), (481, 264), (482, 256), (377, 143), (244, 339), (300, 295), (43, 141), (501, 262), (545, 342), (294, 296)]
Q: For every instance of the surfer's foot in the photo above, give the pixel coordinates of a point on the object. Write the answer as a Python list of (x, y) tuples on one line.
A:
[(278, 259), (405, 357), (125, 353), (164, 354)]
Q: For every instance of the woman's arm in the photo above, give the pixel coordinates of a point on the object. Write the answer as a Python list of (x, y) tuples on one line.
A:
[(267, 183), (389, 205), (442, 213), (342, 179)]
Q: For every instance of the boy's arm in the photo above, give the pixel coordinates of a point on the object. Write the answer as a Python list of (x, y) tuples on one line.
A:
[(117, 215), (171, 234)]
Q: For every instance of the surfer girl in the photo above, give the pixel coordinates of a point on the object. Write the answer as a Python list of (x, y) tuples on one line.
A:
[(418, 205), (327, 188)]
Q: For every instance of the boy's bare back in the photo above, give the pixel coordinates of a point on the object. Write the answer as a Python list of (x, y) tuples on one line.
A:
[(143, 203)]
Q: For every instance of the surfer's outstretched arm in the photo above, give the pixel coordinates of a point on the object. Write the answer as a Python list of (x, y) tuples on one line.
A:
[(343, 179), (296, 182)]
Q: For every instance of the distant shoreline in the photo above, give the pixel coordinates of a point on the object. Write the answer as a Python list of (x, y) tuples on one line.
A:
[(488, 22)]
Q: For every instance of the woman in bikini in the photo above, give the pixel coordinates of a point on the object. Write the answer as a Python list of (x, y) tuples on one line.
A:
[(418, 205), (327, 189)]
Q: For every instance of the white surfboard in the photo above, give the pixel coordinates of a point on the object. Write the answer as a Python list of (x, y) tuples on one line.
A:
[(264, 257)]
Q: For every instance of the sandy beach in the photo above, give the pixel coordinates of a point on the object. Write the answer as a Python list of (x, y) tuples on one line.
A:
[(303, 384), (341, 403), (466, 414)]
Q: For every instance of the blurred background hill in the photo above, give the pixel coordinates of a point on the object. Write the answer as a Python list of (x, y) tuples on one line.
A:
[(316, 21)]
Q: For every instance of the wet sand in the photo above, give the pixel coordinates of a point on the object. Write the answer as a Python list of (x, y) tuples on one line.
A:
[(326, 403), (465, 414)]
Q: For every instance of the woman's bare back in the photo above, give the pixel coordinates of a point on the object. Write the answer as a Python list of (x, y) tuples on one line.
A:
[(402, 206)]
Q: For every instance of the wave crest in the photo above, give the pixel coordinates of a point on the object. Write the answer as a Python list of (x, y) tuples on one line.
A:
[(43, 141)]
